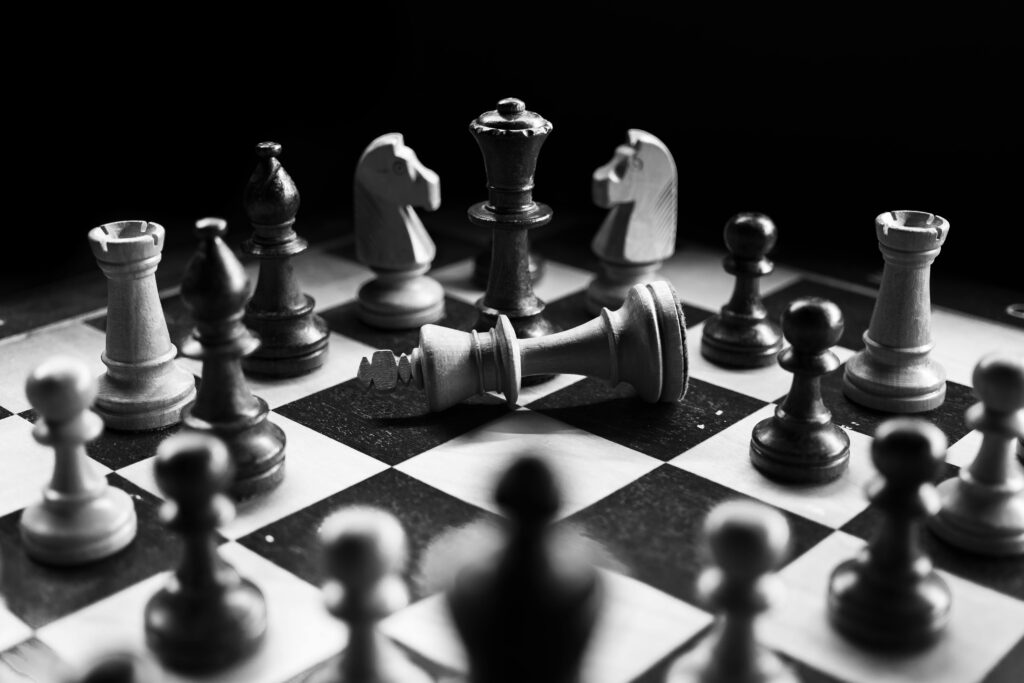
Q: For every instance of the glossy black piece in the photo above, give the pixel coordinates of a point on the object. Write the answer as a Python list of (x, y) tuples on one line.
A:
[(741, 335), (800, 443), (294, 338), (482, 266), (214, 290), (889, 597), (510, 139), (207, 617), (526, 613)]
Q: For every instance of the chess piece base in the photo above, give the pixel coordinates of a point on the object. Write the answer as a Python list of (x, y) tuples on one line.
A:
[(896, 617), (804, 452), (98, 528), (894, 381), (401, 301), (292, 343), (980, 519), (613, 282), (153, 401), (198, 634), (697, 665), (735, 342)]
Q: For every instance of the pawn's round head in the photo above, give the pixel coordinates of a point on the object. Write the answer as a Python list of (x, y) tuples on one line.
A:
[(119, 668), (812, 324), (747, 539), (999, 382), (61, 388), (193, 466), (908, 451), (362, 545), (750, 235), (528, 492)]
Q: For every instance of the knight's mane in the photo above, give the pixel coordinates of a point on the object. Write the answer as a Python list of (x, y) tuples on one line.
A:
[(663, 211)]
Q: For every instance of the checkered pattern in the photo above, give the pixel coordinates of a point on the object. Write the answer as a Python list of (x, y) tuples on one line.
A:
[(637, 480)]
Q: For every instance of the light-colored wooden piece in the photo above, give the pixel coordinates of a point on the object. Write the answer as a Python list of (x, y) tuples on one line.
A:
[(895, 372), (639, 186), (143, 387), (80, 518), (390, 181), (643, 343)]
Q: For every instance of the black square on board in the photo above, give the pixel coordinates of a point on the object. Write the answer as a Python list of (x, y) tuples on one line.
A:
[(345, 320), (857, 308)]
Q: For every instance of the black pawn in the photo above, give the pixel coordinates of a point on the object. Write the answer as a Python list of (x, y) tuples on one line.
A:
[(527, 613), (889, 596), (294, 338), (214, 290), (741, 335), (119, 668), (207, 617), (800, 443)]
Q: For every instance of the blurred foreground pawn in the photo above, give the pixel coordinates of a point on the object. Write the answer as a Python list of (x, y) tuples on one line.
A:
[(143, 387), (214, 290), (207, 617), (800, 443), (643, 344), (748, 540), (365, 554), (526, 613), (639, 187), (889, 596), (80, 518), (983, 509), (510, 138), (895, 372), (390, 181), (293, 339), (741, 335), (119, 668)]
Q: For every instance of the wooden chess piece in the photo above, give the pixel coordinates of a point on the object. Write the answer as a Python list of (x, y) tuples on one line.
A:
[(526, 612), (143, 387), (748, 540), (390, 181), (80, 518), (799, 443), (293, 338), (214, 290), (365, 554), (122, 667), (638, 185), (889, 597), (482, 266), (741, 335), (510, 138), (983, 509), (207, 617), (643, 344), (895, 372)]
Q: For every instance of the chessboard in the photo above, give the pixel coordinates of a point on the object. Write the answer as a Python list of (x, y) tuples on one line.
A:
[(637, 479)]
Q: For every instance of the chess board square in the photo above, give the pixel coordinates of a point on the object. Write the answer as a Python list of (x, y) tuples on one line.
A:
[(963, 452), (28, 465), (635, 619), (315, 468), (856, 306), (300, 632), (767, 383), (4, 413), (12, 630), (983, 623), (426, 513), (20, 355), (658, 673), (469, 466), (725, 459), (329, 279), (961, 340), (558, 280), (661, 430), (698, 276), (390, 427), (38, 594), (652, 529), (949, 417), (345, 320), (340, 365)]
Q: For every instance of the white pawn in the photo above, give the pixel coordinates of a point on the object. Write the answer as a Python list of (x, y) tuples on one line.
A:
[(80, 518), (365, 554)]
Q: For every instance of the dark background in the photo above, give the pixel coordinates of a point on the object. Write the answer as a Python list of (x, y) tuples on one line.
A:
[(822, 119)]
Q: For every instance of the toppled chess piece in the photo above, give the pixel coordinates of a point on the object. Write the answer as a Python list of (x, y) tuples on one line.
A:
[(643, 344), (390, 181), (638, 186)]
